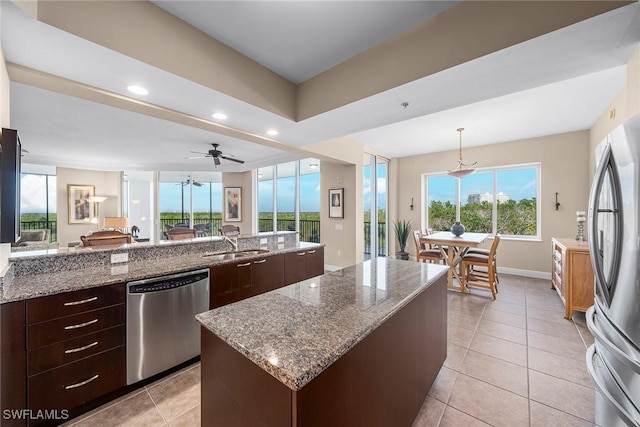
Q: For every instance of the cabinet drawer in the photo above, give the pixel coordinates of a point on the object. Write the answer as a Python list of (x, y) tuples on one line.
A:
[(66, 328), (69, 303), (71, 385), (64, 352)]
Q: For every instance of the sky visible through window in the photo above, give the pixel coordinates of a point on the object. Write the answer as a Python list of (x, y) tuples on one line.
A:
[(309, 194), (517, 184), (382, 187)]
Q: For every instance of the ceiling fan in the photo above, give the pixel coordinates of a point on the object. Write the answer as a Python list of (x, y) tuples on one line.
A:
[(190, 180), (216, 155)]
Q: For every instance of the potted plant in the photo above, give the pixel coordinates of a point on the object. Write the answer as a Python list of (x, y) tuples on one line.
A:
[(402, 229)]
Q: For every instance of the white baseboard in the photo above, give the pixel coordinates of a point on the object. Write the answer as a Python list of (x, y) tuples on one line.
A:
[(328, 267), (525, 273)]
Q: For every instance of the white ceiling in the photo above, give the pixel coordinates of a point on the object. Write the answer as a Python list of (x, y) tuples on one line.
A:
[(556, 83), (326, 32)]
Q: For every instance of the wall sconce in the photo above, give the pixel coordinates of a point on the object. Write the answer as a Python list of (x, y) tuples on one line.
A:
[(557, 202), (411, 205)]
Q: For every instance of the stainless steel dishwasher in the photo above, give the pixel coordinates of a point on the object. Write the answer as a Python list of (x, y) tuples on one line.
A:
[(162, 331)]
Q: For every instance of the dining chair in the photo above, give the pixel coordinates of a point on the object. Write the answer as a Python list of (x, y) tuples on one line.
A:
[(106, 238), (426, 254), (471, 276), (428, 231), (483, 251), (180, 233)]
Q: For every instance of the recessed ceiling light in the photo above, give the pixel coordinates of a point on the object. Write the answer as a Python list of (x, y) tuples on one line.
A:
[(272, 132), (138, 90), (219, 116)]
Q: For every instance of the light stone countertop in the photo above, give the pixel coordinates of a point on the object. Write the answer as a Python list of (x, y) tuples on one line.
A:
[(296, 332), (16, 288)]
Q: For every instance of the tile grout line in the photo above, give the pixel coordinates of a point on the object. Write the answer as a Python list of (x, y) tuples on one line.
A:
[(146, 389)]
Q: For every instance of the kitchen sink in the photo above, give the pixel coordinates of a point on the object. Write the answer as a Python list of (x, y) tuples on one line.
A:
[(234, 254)]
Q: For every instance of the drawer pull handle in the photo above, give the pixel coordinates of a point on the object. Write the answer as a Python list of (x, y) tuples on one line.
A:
[(301, 253), (84, 301), (312, 252), (260, 262), (80, 384), (244, 265), (75, 350), (81, 325)]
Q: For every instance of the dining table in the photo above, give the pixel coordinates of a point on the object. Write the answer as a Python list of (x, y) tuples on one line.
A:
[(453, 248)]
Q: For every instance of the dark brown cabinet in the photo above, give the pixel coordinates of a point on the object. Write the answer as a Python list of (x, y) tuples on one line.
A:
[(13, 393), (243, 279), (229, 283), (303, 265), (267, 274), (76, 345)]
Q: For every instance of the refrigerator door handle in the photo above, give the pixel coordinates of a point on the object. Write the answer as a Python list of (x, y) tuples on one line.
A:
[(605, 342), (606, 168), (602, 388)]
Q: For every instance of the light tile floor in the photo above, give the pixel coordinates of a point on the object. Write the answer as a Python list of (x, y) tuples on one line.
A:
[(511, 362)]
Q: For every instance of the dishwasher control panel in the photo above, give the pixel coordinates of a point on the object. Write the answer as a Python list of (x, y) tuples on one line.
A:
[(167, 283)]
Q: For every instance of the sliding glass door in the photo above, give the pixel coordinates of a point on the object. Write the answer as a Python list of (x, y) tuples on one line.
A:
[(376, 227)]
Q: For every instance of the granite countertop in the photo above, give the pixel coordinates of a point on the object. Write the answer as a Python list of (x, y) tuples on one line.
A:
[(296, 332), (28, 286)]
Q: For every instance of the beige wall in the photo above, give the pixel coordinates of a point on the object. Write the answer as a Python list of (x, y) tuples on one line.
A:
[(625, 105), (5, 109), (564, 169), (344, 245), (106, 184), (342, 237), (245, 181)]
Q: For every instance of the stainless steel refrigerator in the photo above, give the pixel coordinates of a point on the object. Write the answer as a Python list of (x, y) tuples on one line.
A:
[(614, 240)]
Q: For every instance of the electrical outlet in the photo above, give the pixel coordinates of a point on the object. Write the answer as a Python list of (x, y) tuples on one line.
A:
[(339, 252), (339, 227), (122, 257)]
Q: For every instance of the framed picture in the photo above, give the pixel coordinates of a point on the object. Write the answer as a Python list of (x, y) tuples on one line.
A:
[(336, 203), (233, 204), (81, 210)]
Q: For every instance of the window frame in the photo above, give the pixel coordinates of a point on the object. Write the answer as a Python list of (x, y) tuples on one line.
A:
[(494, 210)]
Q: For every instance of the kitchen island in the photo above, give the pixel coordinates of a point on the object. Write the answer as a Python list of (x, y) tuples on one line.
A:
[(356, 347), (63, 312)]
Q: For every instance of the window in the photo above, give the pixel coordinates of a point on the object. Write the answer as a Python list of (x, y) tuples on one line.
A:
[(38, 202), (502, 200), (265, 199), (292, 200), (191, 199), (286, 197)]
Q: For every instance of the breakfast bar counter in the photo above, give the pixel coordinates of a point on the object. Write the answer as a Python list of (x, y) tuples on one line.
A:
[(356, 347)]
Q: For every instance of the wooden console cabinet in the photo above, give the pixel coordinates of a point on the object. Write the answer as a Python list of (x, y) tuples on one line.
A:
[(572, 274)]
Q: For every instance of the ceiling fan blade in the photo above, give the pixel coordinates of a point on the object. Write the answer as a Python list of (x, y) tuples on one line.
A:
[(216, 161), (197, 184), (196, 157), (198, 152), (233, 160)]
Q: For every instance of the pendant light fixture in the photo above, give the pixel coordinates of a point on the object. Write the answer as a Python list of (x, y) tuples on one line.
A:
[(462, 169)]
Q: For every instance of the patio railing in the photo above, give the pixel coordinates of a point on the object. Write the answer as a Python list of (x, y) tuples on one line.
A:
[(35, 225), (381, 238)]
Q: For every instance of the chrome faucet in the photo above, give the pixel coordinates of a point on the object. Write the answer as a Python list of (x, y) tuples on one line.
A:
[(233, 242)]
